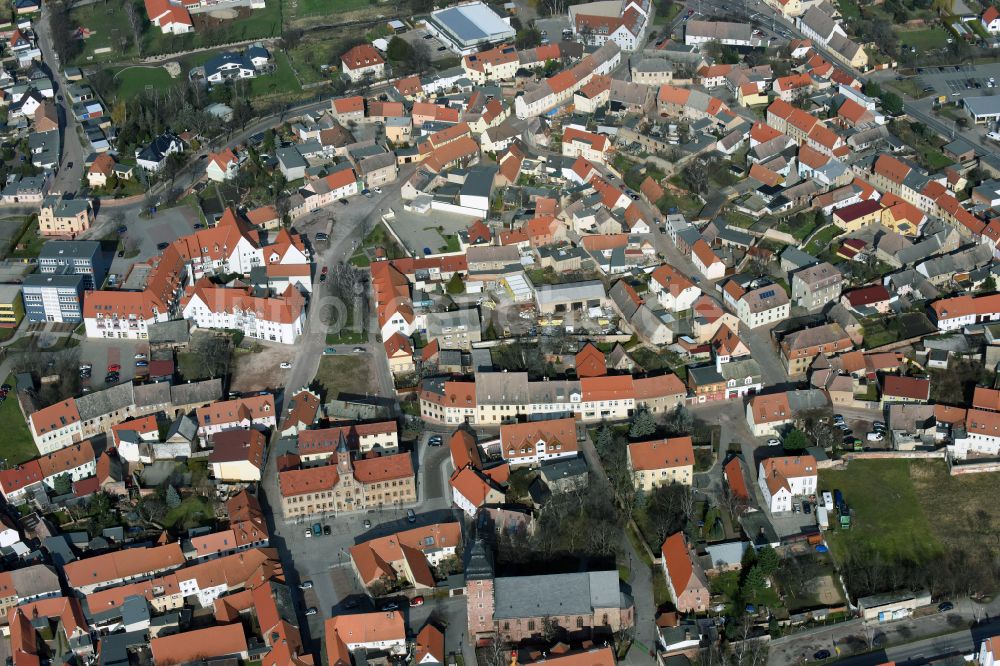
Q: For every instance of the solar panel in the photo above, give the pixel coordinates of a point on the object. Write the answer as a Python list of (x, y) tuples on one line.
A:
[(767, 294)]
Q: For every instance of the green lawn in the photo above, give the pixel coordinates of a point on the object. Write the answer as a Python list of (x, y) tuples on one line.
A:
[(282, 80), (302, 8), (132, 81), (17, 446), (888, 515), (109, 25), (849, 9), (822, 239), (343, 374), (192, 512), (930, 38), (933, 159), (30, 243)]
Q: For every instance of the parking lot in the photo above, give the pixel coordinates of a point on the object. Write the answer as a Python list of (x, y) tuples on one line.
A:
[(436, 48), (102, 354), (164, 227), (959, 80)]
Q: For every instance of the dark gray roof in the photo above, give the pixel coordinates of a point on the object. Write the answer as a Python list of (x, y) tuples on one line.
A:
[(563, 469), (206, 391), (557, 594), (99, 403), (152, 395), (173, 331)]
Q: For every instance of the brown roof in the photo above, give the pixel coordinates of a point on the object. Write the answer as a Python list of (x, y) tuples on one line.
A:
[(384, 468), (238, 445), (126, 563), (913, 388), (661, 453), (200, 644)]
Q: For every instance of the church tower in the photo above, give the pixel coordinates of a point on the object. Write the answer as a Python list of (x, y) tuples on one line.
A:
[(479, 589)]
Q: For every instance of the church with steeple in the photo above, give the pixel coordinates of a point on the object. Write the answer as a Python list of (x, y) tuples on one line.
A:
[(347, 481), (588, 605)]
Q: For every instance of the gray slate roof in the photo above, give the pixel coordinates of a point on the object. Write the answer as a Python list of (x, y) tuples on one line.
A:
[(559, 594)]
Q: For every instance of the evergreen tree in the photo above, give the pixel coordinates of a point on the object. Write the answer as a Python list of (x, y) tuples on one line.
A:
[(173, 498), (643, 425)]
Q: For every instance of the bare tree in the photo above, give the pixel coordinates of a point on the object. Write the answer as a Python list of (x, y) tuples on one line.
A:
[(135, 22)]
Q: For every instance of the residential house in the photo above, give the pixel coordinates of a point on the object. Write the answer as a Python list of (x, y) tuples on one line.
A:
[(800, 348), (786, 477), (817, 286), (361, 62), (685, 578), (661, 462)]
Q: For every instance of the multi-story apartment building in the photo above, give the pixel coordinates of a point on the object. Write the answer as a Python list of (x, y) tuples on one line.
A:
[(278, 319), (11, 306), (63, 257), (55, 298), (661, 462), (817, 286)]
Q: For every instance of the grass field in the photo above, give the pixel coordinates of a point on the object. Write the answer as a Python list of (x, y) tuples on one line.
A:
[(17, 446), (132, 81), (889, 512), (931, 38), (970, 517), (282, 80), (109, 24), (343, 374), (29, 245), (822, 239)]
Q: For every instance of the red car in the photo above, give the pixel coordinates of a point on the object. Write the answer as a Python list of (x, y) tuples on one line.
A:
[(326, 269), (416, 601), (114, 367)]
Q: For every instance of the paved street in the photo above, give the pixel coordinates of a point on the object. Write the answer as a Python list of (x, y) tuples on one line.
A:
[(67, 179), (950, 630)]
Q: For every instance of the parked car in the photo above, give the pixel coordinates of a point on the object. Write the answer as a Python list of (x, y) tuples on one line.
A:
[(312, 611), (305, 585), (322, 236), (326, 530), (410, 516), (309, 533), (875, 436), (435, 440), (114, 367), (774, 441), (317, 529), (821, 655), (416, 601), (945, 606), (162, 246), (878, 426), (329, 351), (285, 365), (122, 229), (377, 189), (391, 606), (141, 364), (368, 524), (140, 357), (358, 350)]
